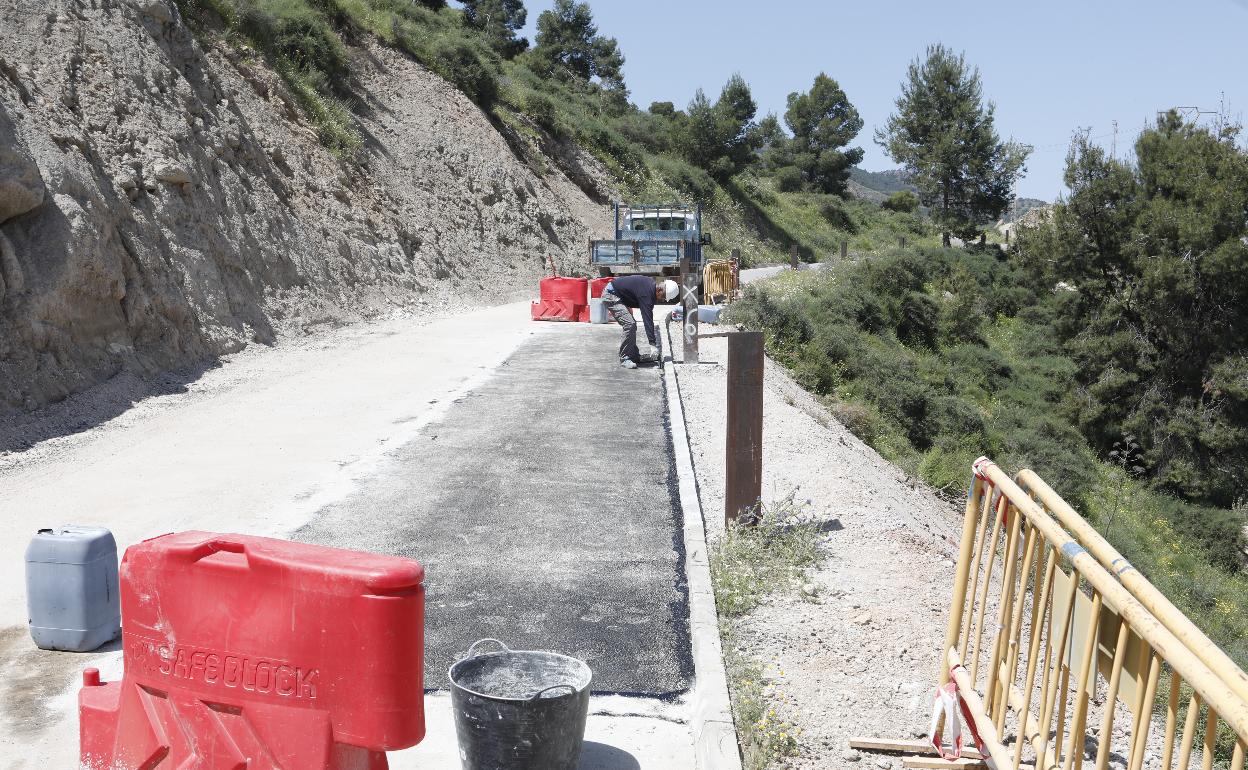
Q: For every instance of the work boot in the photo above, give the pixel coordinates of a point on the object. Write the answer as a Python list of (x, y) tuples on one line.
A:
[(627, 364)]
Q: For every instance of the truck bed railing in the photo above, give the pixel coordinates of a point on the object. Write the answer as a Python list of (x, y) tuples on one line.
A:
[(650, 251)]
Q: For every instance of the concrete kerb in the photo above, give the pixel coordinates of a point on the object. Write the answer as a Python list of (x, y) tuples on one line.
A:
[(714, 734)]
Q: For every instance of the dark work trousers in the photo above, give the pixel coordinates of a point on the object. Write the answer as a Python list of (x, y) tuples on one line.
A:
[(623, 316)]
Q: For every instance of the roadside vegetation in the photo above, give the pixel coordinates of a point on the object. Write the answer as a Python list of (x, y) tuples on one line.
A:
[(768, 553), (1104, 351)]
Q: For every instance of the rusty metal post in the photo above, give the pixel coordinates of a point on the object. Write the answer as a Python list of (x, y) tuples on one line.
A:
[(844, 248), (743, 459), (689, 300), (793, 257)]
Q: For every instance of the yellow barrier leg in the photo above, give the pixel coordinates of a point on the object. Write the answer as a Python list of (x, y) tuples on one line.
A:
[(1039, 611), (1172, 719), (1010, 562), (1140, 734), (1115, 678), (983, 594), (982, 531), (1054, 669), (1075, 744), (964, 570), (1189, 731), (1016, 627), (1211, 739)]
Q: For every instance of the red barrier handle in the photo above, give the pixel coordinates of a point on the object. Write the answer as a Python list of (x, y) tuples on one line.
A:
[(207, 548)]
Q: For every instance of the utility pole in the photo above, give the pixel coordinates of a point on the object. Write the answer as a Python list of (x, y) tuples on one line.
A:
[(1113, 145)]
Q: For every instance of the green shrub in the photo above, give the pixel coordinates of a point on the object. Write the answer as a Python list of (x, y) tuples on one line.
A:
[(961, 319), (294, 31), (786, 325), (902, 201), (689, 179), (1220, 532), (919, 318), (945, 465), (959, 418), (976, 366), (789, 179), (770, 549), (834, 213), (858, 420), (542, 110), (468, 68)]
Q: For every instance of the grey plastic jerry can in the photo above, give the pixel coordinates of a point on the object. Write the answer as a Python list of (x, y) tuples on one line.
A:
[(71, 588)]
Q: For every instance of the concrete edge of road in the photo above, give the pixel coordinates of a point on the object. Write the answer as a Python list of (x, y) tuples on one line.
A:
[(714, 734)]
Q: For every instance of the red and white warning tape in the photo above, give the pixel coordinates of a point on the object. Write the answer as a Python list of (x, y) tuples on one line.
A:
[(950, 703)]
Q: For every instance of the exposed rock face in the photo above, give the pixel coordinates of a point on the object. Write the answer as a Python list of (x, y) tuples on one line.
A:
[(21, 186), (162, 203)]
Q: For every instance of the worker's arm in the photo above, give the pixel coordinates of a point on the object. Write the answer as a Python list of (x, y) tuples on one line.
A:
[(646, 308)]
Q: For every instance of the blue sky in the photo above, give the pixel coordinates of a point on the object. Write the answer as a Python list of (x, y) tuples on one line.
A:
[(1050, 67)]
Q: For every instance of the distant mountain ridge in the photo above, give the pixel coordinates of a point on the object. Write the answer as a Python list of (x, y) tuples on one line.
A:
[(876, 186)]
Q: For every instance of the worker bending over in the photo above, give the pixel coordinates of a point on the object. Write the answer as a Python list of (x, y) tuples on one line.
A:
[(637, 291)]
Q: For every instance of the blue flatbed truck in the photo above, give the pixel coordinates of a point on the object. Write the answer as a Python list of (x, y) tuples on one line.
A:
[(651, 239)]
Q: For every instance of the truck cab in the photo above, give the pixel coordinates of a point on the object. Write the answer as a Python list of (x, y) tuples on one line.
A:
[(651, 239)]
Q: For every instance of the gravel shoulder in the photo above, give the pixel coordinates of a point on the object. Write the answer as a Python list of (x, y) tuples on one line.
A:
[(863, 656)]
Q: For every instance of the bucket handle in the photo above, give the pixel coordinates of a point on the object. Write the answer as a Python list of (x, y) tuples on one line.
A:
[(472, 649), (540, 693)]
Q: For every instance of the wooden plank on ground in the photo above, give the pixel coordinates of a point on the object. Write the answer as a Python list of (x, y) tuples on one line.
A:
[(932, 763), (902, 745)]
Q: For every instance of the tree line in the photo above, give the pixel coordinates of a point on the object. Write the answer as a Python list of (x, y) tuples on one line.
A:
[(942, 132)]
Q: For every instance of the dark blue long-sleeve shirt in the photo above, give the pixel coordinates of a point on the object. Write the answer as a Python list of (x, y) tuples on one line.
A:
[(638, 291)]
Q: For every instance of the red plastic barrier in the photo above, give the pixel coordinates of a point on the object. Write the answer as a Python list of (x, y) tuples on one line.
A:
[(558, 310), (596, 286), (574, 290), (251, 653)]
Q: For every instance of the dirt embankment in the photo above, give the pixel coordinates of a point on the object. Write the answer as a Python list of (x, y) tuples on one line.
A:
[(859, 655), (163, 200)]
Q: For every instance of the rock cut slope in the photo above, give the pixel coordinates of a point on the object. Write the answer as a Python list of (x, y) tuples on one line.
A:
[(163, 201)]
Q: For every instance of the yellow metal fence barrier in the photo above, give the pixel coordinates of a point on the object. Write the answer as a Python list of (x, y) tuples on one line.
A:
[(1056, 631), (720, 280)]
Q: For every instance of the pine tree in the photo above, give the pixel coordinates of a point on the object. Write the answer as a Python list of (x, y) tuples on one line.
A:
[(1156, 256), (720, 137), (568, 44), (944, 136), (500, 20), (823, 122)]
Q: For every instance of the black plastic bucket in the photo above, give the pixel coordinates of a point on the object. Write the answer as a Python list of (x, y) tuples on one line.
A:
[(519, 709)]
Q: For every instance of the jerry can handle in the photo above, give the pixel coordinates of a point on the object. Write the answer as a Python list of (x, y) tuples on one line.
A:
[(472, 650)]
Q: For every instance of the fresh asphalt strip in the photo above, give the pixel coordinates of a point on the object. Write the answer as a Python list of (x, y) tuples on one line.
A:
[(545, 509)]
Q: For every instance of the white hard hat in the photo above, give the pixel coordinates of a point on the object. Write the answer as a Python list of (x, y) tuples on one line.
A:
[(671, 290)]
